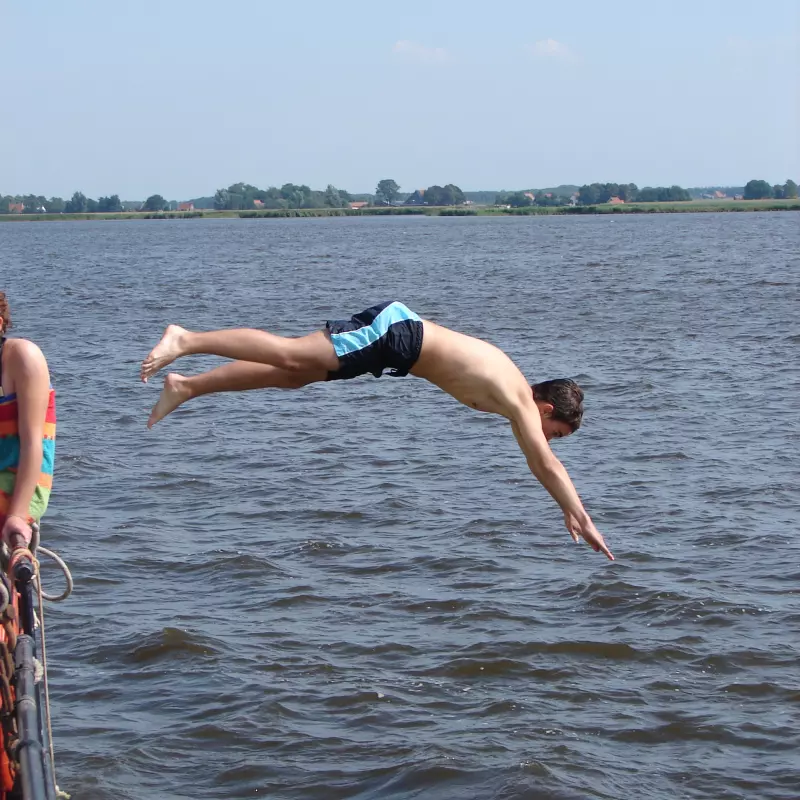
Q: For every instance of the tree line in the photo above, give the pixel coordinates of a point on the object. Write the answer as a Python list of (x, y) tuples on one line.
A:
[(761, 190), (595, 193), (244, 196), (79, 203)]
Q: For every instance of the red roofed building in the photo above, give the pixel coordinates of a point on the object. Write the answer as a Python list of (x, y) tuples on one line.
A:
[(186, 206)]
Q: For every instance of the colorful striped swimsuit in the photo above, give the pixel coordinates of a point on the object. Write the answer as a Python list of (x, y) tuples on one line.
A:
[(10, 450)]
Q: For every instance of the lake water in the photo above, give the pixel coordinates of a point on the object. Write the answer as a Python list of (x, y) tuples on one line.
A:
[(357, 590)]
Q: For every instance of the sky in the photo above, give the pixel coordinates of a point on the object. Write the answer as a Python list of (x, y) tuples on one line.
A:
[(182, 98)]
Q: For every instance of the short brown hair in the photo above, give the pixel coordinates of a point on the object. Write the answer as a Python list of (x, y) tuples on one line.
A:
[(5, 313), (565, 396)]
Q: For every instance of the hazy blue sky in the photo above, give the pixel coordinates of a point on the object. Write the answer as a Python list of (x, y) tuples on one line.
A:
[(181, 98)]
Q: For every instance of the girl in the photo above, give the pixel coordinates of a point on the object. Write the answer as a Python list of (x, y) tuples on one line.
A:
[(27, 433)]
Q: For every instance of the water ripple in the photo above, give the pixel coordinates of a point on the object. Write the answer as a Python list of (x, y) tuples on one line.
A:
[(357, 590)]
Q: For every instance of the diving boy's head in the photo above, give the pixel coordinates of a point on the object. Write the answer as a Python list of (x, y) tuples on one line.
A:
[(560, 404), (5, 314)]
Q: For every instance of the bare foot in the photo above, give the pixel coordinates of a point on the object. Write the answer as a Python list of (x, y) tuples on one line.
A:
[(175, 392), (165, 352)]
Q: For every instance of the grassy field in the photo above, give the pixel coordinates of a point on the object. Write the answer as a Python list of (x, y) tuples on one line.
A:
[(689, 206), (115, 215), (692, 206)]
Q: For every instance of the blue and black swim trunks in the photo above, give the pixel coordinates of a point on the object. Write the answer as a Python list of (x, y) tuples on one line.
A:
[(386, 336)]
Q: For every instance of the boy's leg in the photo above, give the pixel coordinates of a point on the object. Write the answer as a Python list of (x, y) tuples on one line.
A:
[(307, 353), (239, 376)]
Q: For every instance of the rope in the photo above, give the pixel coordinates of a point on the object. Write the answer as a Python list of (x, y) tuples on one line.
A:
[(64, 568), (42, 596), (45, 682)]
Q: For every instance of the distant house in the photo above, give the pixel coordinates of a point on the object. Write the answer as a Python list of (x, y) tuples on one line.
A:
[(417, 198), (573, 199), (530, 196), (16, 208), (186, 206), (719, 195), (258, 203), (358, 204), (616, 201)]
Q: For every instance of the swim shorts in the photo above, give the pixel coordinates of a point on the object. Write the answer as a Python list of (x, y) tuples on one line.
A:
[(386, 336)]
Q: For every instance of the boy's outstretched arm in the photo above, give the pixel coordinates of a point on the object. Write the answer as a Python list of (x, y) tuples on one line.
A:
[(550, 472)]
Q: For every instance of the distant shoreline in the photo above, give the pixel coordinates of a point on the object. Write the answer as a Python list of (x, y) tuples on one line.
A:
[(683, 207)]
